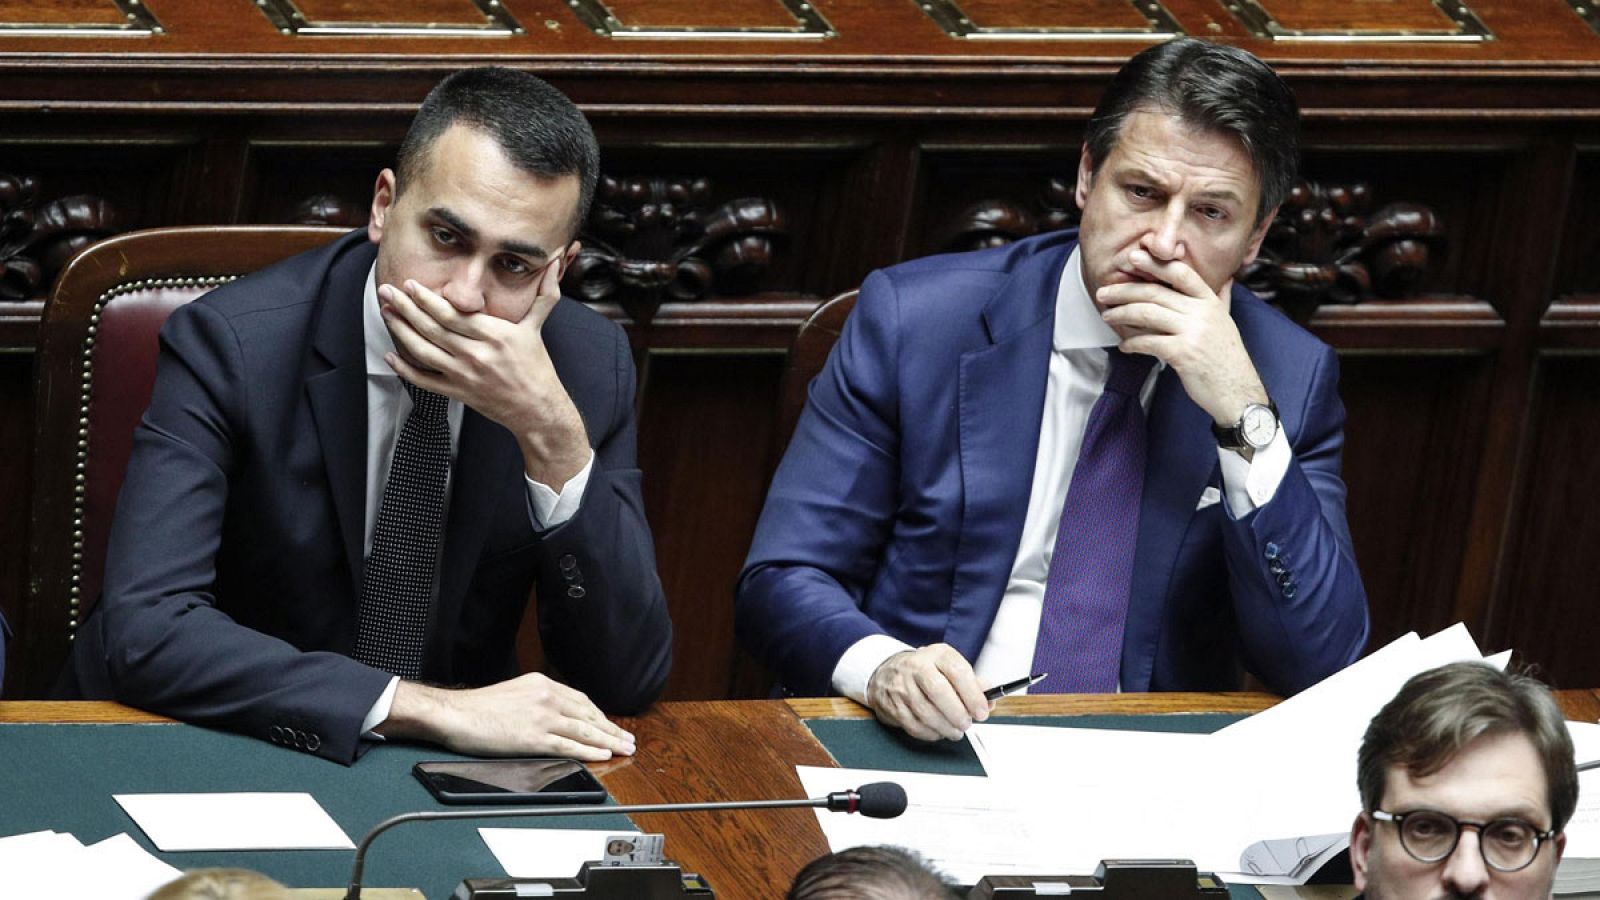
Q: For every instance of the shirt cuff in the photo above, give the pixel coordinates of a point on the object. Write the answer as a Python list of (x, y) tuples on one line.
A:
[(548, 509), (1250, 484), (379, 711), (855, 667)]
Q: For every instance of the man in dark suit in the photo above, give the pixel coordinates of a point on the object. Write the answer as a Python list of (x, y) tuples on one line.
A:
[(920, 541), (356, 463)]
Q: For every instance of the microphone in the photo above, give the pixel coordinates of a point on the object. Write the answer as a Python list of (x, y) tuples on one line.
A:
[(879, 800)]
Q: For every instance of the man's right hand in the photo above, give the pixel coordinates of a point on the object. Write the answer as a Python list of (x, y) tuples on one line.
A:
[(930, 693), (530, 715)]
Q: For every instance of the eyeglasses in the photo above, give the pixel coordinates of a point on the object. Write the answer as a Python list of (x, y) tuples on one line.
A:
[(1507, 845)]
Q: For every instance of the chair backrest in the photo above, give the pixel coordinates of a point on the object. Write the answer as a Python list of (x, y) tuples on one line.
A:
[(812, 344), (93, 376)]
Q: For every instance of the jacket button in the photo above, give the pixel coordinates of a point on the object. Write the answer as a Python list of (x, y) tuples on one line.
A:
[(1272, 551), (576, 592), (275, 734), (313, 741), (1284, 578), (568, 562), (1289, 590)]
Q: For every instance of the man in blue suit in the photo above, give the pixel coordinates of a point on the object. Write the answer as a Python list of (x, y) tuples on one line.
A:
[(269, 572), (919, 536)]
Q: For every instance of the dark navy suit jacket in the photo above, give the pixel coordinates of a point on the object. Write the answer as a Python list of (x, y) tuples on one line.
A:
[(899, 505), (234, 565)]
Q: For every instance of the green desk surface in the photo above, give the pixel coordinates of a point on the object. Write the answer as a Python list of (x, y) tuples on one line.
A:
[(61, 778), (864, 744)]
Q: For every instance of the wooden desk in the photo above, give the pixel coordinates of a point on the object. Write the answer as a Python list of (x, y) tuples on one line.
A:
[(747, 749)]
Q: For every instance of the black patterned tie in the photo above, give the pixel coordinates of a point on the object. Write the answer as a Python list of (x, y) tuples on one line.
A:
[(397, 587)]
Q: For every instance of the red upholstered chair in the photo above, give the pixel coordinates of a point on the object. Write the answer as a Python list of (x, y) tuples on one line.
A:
[(94, 373)]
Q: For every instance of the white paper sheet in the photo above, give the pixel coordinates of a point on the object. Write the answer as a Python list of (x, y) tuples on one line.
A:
[(1282, 775), (51, 864), (546, 852), (966, 826), (242, 821), (122, 869)]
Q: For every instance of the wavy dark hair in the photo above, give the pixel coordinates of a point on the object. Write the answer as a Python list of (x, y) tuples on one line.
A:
[(1212, 87)]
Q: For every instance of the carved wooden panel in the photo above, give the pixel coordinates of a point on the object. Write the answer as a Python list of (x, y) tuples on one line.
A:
[(1059, 20), (1550, 597), (1462, 186), (770, 19), (322, 183), (364, 18), (705, 443), (769, 208), (1578, 265), (1412, 448), (78, 18), (1411, 20)]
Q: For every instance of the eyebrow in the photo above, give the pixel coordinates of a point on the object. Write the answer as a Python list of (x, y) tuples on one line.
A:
[(460, 224), (1216, 195)]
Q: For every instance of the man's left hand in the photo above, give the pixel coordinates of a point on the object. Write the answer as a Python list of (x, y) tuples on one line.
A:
[(499, 368), (1181, 321)]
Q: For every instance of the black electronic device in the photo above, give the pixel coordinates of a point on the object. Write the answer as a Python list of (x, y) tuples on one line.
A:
[(660, 880), (879, 800), (1113, 879), (528, 780)]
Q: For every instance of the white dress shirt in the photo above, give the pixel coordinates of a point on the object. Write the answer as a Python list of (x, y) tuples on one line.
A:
[(388, 406), (1077, 377)]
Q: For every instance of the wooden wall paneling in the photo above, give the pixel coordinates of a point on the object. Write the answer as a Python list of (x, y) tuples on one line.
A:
[(16, 460), (976, 195), (322, 182), (1547, 608), (1413, 445), (705, 446), (1521, 268), (1578, 265)]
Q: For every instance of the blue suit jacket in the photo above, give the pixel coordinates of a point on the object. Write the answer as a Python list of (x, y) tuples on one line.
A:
[(899, 505), (234, 566)]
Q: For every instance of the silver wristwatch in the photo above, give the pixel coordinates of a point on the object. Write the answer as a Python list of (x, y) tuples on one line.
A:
[(1256, 428)]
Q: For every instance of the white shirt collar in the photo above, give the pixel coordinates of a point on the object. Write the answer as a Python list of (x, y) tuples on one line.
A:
[(1078, 322), (374, 333)]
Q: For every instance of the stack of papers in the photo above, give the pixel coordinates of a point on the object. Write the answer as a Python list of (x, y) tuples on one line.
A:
[(52, 864), (1266, 800)]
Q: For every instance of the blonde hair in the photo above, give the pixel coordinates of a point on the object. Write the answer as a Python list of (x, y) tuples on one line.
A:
[(222, 884)]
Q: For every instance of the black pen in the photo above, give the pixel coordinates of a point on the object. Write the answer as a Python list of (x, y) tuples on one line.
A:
[(1011, 687)]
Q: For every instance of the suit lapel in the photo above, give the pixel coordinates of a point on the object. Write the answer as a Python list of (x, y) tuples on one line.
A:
[(1180, 459), (338, 396), (1001, 403)]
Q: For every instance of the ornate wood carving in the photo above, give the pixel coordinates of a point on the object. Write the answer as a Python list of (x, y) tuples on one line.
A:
[(995, 222), (330, 209), (1324, 247), (36, 239), (652, 240)]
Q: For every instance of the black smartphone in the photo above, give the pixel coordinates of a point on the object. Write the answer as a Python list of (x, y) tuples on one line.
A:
[(533, 780)]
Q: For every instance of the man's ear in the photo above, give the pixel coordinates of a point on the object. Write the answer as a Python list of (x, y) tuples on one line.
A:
[(1360, 847), (383, 197), (1085, 176), (1561, 845), (571, 255)]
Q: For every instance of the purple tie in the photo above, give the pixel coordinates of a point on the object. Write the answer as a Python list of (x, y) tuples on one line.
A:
[(1086, 593)]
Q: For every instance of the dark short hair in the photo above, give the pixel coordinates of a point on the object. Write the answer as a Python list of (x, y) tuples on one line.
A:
[(1441, 711), (1211, 87), (868, 873), (539, 129)]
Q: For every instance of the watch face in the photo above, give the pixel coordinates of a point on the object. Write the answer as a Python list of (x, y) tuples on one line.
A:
[(1258, 427)]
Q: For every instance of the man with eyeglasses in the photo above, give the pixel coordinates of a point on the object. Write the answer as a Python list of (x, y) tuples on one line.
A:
[(1467, 780)]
